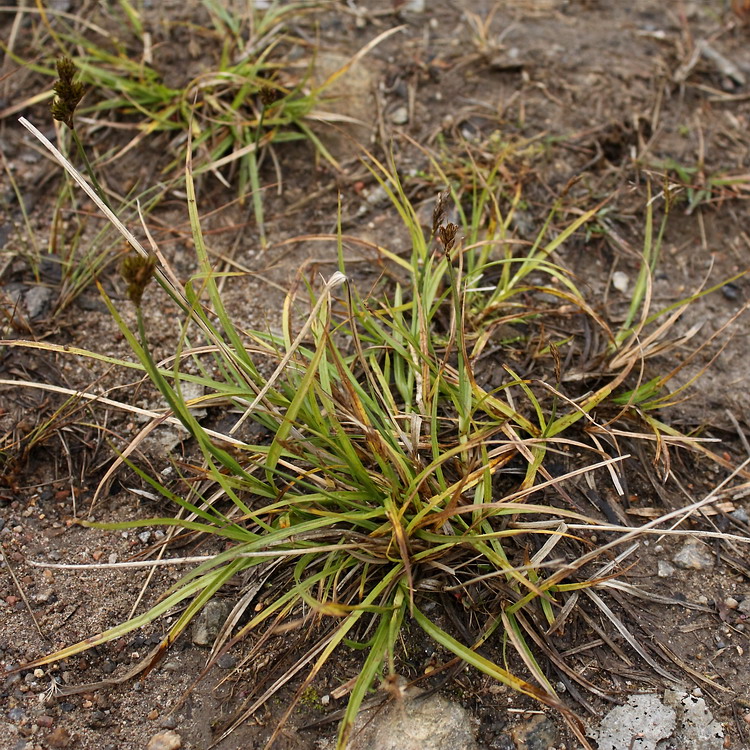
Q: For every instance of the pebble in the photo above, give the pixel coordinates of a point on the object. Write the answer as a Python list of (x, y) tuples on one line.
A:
[(744, 606), (399, 116), (731, 603), (538, 733), (694, 556), (226, 661), (37, 301), (730, 291), (209, 622), (168, 722), (740, 515), (108, 667), (665, 569), (44, 596), (59, 738), (433, 723), (620, 281), (166, 740), (377, 196)]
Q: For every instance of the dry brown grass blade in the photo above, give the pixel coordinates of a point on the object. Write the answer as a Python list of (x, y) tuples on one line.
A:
[(274, 688), (22, 593), (627, 635), (558, 660)]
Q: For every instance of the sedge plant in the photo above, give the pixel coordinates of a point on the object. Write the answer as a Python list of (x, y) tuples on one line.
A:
[(393, 480), (232, 113)]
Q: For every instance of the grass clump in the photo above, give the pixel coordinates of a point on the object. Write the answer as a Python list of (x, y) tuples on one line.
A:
[(393, 480), (244, 100)]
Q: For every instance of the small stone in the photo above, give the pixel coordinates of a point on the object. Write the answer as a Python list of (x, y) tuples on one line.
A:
[(59, 738), (168, 722), (731, 603), (210, 621), (226, 661), (166, 740), (192, 391), (377, 196), (37, 301), (665, 569), (399, 116), (538, 733), (731, 291), (433, 723), (740, 515), (16, 714), (144, 537), (744, 606), (620, 281), (152, 715), (44, 721), (44, 596), (109, 666), (38, 673), (112, 559), (502, 741), (694, 556), (97, 720)]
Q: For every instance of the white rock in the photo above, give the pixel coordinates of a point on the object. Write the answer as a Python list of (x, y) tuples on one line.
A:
[(434, 723), (664, 569), (693, 555), (696, 727), (399, 116), (643, 717), (620, 281), (166, 740)]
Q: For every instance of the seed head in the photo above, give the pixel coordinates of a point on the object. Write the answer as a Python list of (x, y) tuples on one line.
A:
[(137, 271), (269, 95), (68, 93), (447, 236), (441, 207)]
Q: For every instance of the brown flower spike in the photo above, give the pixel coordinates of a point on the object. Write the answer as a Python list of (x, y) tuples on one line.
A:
[(137, 271), (68, 93)]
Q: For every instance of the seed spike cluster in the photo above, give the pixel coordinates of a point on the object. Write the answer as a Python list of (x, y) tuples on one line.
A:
[(68, 93), (138, 272)]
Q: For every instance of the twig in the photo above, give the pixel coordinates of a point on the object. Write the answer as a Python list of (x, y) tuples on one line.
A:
[(21, 592)]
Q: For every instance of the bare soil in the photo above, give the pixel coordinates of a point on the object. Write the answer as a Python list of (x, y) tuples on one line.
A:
[(606, 93)]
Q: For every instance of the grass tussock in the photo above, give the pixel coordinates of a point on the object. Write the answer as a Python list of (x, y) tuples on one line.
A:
[(393, 479), (390, 475)]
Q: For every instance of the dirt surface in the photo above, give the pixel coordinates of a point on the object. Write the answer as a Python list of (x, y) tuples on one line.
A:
[(608, 93)]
